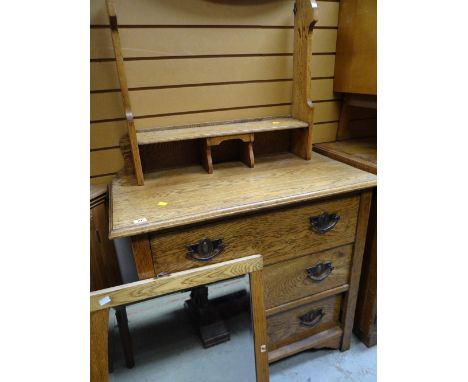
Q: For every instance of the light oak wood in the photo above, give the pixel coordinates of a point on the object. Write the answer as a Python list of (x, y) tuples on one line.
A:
[(142, 256), (307, 300), (279, 180), (259, 324), (324, 111), (365, 321), (359, 153), (124, 93), (200, 12), (98, 345), (285, 328), (288, 281), (217, 130), (349, 303), (145, 289), (277, 235), (356, 47), (101, 301), (330, 338)]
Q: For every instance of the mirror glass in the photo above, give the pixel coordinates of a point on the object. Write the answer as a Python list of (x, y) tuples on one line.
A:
[(187, 336)]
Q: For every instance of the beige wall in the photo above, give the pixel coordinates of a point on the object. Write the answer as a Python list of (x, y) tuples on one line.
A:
[(201, 61)]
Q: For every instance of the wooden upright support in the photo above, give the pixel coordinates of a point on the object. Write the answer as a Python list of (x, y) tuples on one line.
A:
[(305, 17), (124, 91)]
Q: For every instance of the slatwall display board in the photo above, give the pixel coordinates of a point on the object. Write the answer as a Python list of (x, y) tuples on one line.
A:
[(201, 61)]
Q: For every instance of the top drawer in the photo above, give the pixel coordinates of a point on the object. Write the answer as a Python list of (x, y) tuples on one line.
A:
[(277, 235)]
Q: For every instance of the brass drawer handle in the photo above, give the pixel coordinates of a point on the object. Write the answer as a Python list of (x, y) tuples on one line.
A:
[(312, 318), (205, 249), (324, 222), (320, 271)]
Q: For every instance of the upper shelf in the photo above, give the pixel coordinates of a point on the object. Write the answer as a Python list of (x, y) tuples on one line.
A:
[(147, 137)]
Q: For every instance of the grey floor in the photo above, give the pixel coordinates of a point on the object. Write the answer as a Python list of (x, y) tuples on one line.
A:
[(167, 349)]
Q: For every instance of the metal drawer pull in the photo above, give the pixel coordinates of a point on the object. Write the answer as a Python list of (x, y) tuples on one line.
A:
[(312, 318), (324, 222), (205, 249), (320, 271)]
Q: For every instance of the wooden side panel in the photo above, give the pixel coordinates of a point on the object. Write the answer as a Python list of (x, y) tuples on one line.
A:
[(365, 322), (349, 304), (356, 51), (104, 267)]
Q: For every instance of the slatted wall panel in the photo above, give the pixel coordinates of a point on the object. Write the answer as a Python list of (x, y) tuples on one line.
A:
[(203, 61)]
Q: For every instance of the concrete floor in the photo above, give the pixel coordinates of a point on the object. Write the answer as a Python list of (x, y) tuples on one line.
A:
[(167, 349)]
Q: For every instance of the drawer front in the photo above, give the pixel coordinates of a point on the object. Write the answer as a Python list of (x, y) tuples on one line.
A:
[(293, 325), (277, 235), (304, 276)]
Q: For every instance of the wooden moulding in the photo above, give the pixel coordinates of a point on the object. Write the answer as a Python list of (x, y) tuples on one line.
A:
[(329, 338), (124, 91), (305, 18)]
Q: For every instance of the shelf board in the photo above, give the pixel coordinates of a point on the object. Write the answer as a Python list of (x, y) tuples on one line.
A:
[(146, 137), (360, 153), (189, 195)]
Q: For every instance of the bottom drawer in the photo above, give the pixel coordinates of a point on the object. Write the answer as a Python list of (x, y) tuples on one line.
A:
[(304, 321)]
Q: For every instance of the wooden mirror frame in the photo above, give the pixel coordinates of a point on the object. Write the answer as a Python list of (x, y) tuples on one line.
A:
[(101, 301)]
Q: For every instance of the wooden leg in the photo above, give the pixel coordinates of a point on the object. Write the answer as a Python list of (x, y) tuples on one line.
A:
[(247, 155), (124, 333), (206, 157), (259, 325), (99, 347), (349, 304)]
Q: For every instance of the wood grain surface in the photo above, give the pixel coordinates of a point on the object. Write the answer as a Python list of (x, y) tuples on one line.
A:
[(288, 280), (141, 290), (356, 47), (350, 298), (330, 338), (359, 153), (217, 130), (285, 327), (98, 345), (259, 325), (190, 197), (142, 256), (277, 235)]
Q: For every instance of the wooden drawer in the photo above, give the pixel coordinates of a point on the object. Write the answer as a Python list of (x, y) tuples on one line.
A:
[(304, 321), (289, 280), (277, 235)]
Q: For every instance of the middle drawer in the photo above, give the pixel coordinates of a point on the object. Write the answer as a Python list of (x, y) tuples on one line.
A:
[(297, 278), (278, 235)]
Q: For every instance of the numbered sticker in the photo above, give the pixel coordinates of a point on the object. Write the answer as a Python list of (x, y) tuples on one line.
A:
[(140, 221)]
